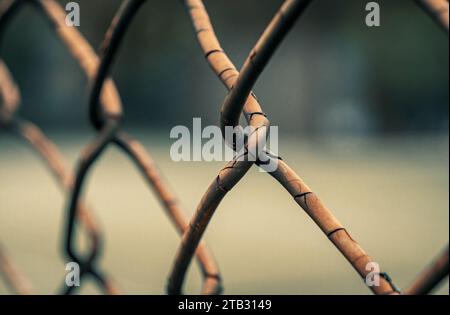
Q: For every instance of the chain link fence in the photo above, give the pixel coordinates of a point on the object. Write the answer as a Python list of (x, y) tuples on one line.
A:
[(105, 113)]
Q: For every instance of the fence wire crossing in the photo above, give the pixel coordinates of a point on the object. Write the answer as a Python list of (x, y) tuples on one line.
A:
[(105, 113)]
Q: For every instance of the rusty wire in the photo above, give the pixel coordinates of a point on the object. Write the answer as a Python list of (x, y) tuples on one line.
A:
[(240, 86), (105, 111), (13, 277), (53, 158), (438, 10), (429, 278), (241, 99), (109, 99), (47, 150), (105, 116)]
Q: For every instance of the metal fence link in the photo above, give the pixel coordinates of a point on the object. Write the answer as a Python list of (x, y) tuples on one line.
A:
[(105, 113), (109, 99), (42, 145), (241, 99)]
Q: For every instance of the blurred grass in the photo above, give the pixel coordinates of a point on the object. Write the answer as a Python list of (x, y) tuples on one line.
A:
[(391, 193)]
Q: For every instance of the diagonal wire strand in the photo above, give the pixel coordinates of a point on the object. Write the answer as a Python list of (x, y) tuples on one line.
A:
[(106, 116), (438, 10), (56, 164), (429, 278), (240, 98)]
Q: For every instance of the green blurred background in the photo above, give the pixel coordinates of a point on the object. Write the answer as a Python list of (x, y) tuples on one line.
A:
[(363, 118)]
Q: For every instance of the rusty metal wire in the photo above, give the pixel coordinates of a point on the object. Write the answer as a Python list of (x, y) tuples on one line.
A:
[(239, 91), (109, 99), (10, 121), (241, 99), (14, 278), (428, 279), (52, 157), (105, 113), (106, 119), (438, 10)]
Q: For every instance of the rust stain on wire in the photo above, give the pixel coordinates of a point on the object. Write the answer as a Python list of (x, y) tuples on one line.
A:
[(241, 99), (105, 113), (428, 279), (43, 146), (105, 91)]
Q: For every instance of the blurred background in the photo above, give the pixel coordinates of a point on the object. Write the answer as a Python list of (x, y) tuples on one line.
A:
[(362, 114)]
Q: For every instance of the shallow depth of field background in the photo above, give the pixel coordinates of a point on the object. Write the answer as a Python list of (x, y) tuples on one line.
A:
[(363, 118)]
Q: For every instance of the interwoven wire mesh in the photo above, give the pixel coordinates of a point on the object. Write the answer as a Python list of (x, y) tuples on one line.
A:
[(105, 109)]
